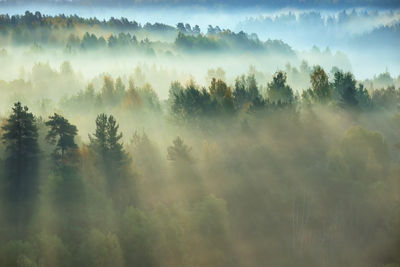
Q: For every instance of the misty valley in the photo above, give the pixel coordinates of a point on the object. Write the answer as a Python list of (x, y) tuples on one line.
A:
[(273, 143)]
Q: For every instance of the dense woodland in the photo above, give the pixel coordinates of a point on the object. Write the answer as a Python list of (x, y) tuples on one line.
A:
[(245, 178), (298, 166), (76, 33)]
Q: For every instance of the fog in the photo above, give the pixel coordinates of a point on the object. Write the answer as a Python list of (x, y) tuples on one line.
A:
[(269, 138), (355, 32)]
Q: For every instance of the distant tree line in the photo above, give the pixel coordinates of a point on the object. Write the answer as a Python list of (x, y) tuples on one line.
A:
[(226, 40), (343, 92), (38, 30), (246, 95)]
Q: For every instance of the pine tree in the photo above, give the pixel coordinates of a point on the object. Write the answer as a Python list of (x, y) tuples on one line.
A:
[(98, 141), (115, 147), (20, 135), (111, 156), (62, 134), (67, 186)]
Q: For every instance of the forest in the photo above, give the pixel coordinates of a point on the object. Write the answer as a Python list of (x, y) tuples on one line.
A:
[(129, 144), (220, 176)]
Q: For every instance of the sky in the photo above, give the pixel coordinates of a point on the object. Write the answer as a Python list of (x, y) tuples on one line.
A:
[(335, 4)]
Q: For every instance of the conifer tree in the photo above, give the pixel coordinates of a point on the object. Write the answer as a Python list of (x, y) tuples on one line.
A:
[(62, 134), (20, 135)]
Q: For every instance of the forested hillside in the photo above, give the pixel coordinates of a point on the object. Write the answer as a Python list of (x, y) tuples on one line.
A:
[(129, 144), (226, 175)]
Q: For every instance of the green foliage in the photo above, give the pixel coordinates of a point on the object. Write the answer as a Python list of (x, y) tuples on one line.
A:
[(320, 85), (62, 134), (106, 143), (363, 98), (52, 251), (278, 91), (101, 249), (246, 93), (222, 95), (136, 238), (386, 98), (192, 103), (90, 41), (265, 189), (18, 253), (361, 155), (196, 43), (20, 134), (344, 89), (220, 41), (112, 159), (219, 100)]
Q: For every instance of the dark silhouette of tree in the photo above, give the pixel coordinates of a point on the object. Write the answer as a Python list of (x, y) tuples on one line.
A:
[(99, 141), (344, 87), (196, 29), (61, 134), (278, 91), (239, 93), (246, 93), (192, 103), (181, 27), (115, 148), (20, 135), (67, 186), (363, 98), (112, 159)]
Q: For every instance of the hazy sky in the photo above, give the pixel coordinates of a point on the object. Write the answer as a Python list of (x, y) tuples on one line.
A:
[(225, 3)]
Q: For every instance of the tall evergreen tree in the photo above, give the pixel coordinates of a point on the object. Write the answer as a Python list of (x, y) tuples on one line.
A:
[(115, 147), (20, 135), (111, 156), (66, 184), (344, 86), (99, 139)]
